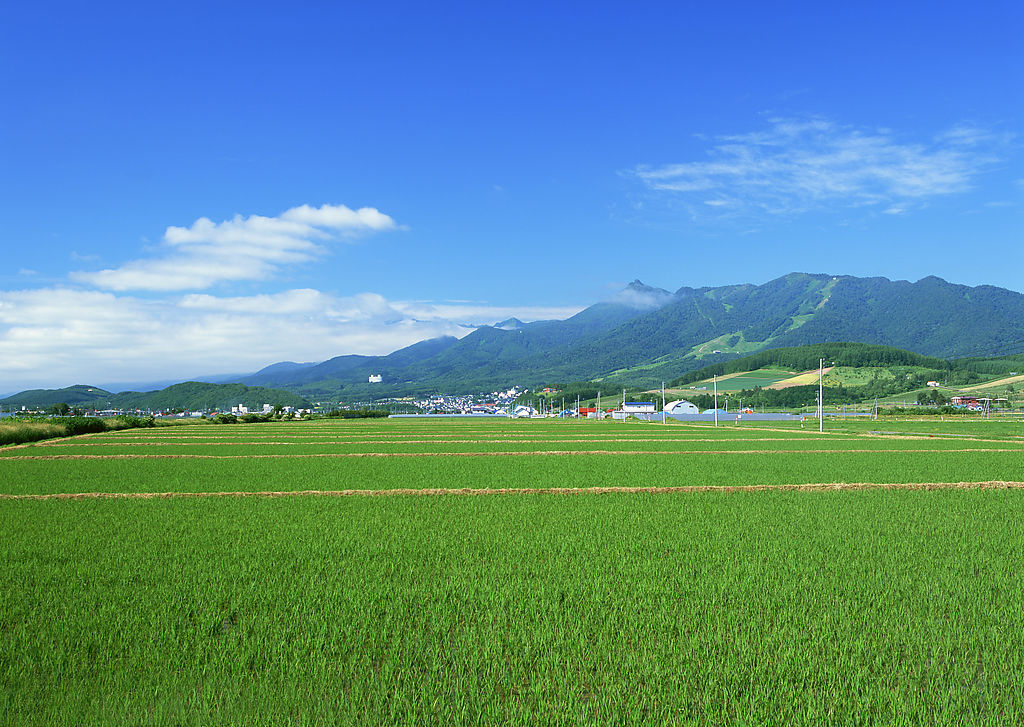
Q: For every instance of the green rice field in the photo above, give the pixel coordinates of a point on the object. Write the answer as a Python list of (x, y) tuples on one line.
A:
[(448, 571)]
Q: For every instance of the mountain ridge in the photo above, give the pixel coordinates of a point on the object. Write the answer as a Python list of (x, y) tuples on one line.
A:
[(645, 334)]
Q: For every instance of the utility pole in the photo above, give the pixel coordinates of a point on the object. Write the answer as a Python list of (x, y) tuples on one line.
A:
[(664, 417), (599, 412), (821, 391), (716, 400)]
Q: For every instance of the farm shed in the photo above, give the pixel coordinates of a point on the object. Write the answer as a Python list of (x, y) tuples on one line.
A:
[(681, 406)]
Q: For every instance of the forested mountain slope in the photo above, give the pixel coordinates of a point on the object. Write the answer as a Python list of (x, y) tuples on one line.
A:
[(647, 335)]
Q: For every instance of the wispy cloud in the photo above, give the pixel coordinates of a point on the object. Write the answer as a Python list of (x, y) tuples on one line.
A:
[(242, 248), (798, 165), (641, 299), (477, 314), (60, 336)]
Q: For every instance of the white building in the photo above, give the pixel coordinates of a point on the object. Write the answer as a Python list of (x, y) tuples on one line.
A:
[(376, 378), (639, 407), (681, 406)]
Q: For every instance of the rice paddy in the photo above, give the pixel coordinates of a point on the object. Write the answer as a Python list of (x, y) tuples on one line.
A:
[(551, 572)]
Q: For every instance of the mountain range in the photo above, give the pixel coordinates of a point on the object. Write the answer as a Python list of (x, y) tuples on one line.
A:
[(645, 335), (639, 338)]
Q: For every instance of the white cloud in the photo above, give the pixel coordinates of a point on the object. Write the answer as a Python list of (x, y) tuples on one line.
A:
[(641, 299), (242, 248), (56, 337), (795, 166), (476, 314), (341, 218)]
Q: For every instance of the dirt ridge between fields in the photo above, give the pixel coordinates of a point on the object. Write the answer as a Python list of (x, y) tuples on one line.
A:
[(347, 442), (468, 491), (524, 453)]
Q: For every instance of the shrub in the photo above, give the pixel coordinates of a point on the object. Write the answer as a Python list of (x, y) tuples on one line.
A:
[(22, 432), (355, 414), (82, 425)]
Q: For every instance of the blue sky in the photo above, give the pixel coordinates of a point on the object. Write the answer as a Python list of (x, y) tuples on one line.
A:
[(205, 188)]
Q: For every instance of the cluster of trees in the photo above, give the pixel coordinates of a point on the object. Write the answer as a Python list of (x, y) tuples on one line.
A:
[(933, 397), (793, 397), (997, 365), (254, 418), (896, 410)]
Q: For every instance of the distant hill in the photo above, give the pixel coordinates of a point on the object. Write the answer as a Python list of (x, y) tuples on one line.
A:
[(191, 395), (71, 395), (325, 379), (646, 335)]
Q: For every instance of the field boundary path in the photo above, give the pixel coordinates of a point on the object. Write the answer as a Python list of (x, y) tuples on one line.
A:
[(523, 453), (467, 491)]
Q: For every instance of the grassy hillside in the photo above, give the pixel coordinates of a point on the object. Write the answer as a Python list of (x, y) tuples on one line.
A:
[(196, 395), (854, 372), (79, 394), (803, 358)]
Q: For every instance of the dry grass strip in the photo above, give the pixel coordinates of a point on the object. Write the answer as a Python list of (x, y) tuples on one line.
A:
[(469, 491), (524, 453), (946, 437), (663, 436), (260, 442)]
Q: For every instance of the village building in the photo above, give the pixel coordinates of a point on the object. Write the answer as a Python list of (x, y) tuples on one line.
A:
[(681, 406)]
